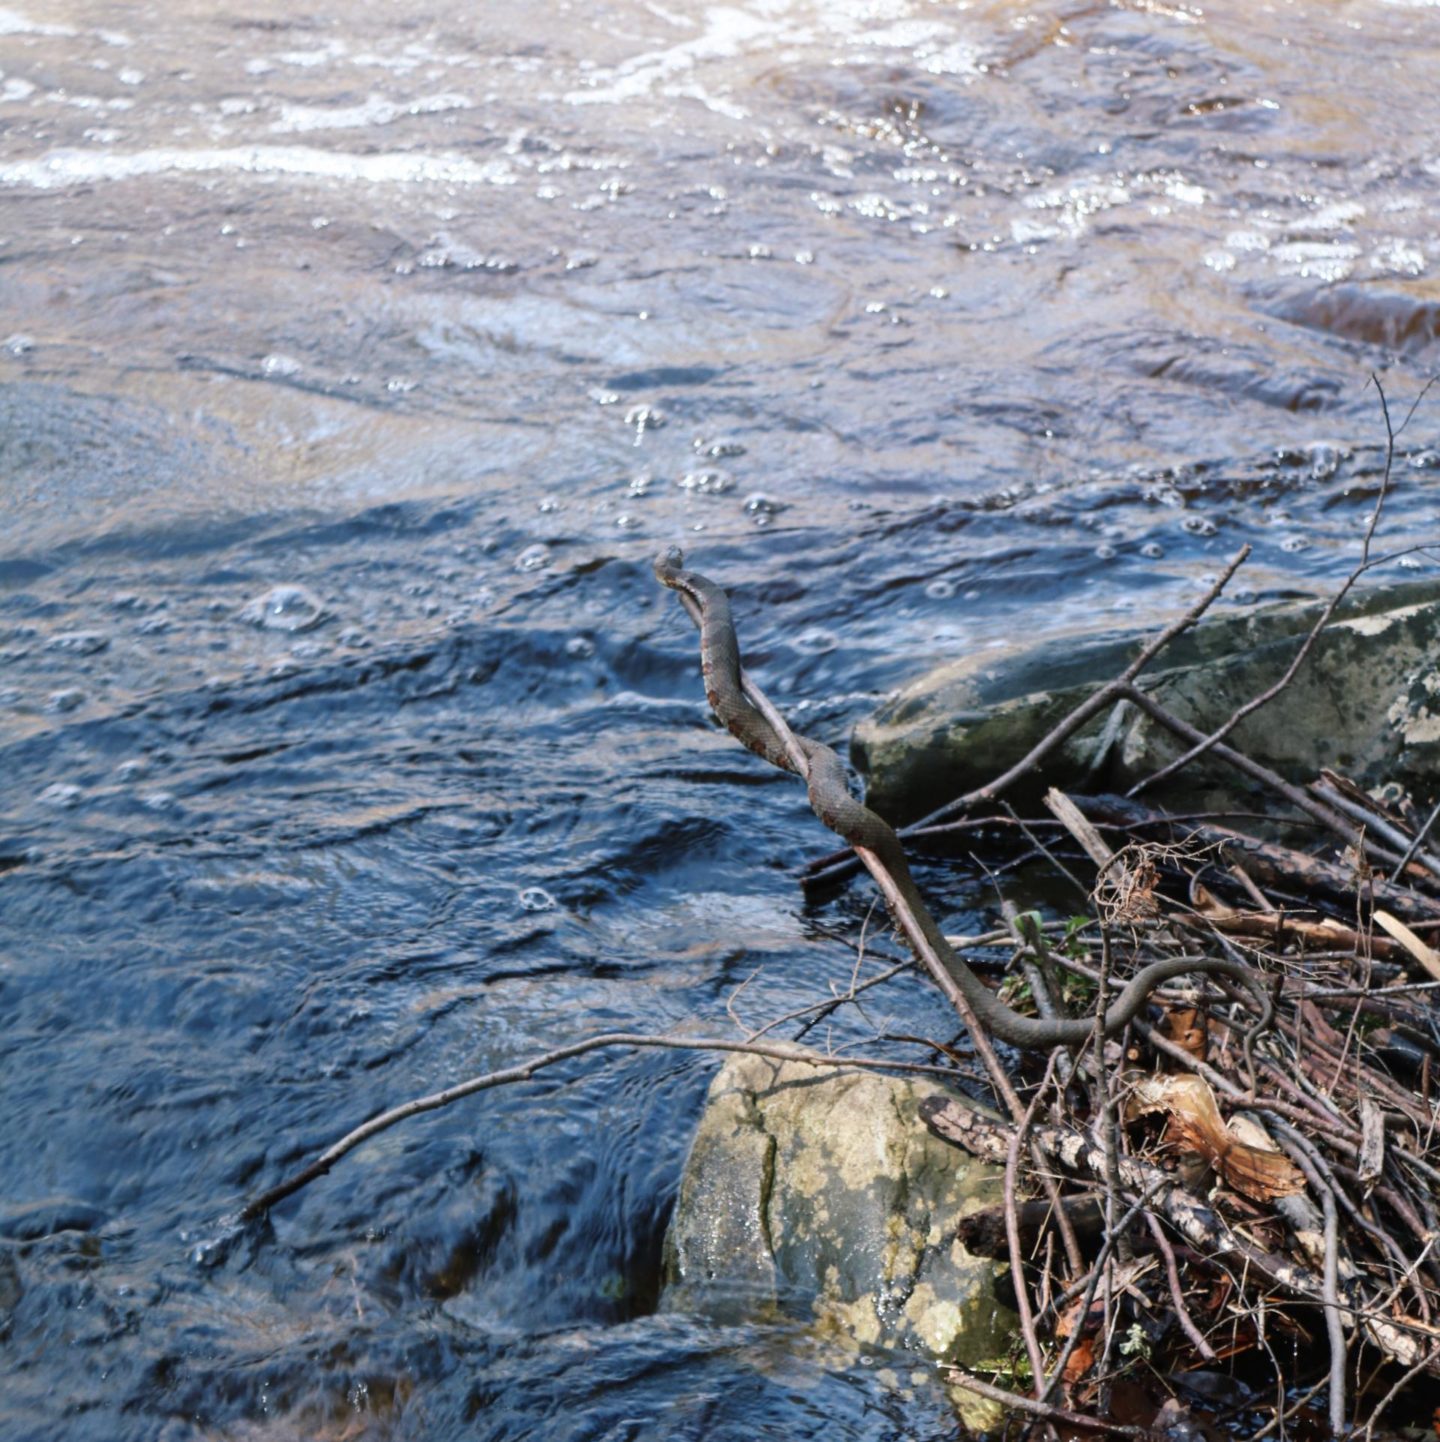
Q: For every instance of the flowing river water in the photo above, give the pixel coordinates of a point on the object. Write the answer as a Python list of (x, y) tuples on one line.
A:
[(355, 360)]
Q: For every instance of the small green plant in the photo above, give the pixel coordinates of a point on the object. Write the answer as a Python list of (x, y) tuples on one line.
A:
[(1136, 1343), (1072, 945), (1012, 1372)]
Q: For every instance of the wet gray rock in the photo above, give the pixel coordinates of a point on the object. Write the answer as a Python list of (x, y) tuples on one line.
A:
[(819, 1193), (1366, 703)]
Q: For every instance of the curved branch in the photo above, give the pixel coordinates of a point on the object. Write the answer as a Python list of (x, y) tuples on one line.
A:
[(524, 1070)]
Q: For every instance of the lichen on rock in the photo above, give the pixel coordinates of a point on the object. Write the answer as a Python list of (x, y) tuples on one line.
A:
[(815, 1192), (1363, 704)]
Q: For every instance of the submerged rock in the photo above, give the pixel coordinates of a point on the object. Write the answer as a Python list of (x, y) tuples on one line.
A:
[(1366, 702), (819, 1193)]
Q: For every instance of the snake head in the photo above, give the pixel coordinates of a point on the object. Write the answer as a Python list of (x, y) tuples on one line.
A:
[(667, 563)]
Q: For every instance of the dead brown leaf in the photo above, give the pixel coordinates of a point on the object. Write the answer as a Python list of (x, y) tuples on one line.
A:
[(1243, 1157)]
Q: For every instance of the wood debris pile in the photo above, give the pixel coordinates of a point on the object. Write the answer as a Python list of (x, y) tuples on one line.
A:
[(1227, 1195)]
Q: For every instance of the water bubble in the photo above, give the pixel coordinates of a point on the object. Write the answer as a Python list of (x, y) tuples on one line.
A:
[(279, 365), (61, 794), (400, 385), (814, 641), (759, 505), (443, 252), (940, 590), (18, 344), (626, 521), (644, 418), (66, 700), (1198, 526), (547, 506), (804, 257), (1105, 551), (132, 770), (159, 801), (581, 260), (1152, 551), (717, 449), (212, 1252), (284, 608), (536, 898), (580, 647), (1294, 544), (533, 558), (1325, 460), (640, 485), (78, 643), (1425, 461), (705, 483), (604, 397)]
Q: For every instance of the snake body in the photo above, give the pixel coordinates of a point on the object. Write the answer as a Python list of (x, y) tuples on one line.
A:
[(860, 826)]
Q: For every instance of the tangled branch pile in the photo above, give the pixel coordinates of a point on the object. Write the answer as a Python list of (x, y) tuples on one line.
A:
[(1278, 1118), (1296, 1168)]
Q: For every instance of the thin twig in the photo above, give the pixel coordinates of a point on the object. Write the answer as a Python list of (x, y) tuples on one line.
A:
[(1043, 1410), (1415, 844), (1138, 1207), (1334, 1324), (831, 868), (523, 1071), (1268, 695), (1177, 1292), (1012, 1229), (1367, 818)]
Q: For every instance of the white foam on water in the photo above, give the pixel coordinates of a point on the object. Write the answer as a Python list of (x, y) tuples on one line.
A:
[(12, 22), (730, 32), (727, 33), (375, 110), (76, 167)]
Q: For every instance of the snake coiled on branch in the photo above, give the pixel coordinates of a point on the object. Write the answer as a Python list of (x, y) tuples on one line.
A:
[(824, 777)]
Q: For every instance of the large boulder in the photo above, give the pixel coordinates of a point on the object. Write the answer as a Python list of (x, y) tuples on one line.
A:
[(1366, 703), (817, 1192)]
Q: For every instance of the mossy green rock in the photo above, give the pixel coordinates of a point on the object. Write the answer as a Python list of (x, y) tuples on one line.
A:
[(820, 1193), (1366, 703)]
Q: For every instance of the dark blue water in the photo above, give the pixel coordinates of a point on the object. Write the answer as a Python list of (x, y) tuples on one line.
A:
[(355, 368)]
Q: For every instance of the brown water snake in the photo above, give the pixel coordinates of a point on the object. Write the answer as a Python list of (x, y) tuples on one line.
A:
[(860, 826)]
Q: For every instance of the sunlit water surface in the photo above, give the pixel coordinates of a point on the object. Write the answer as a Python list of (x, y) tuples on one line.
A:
[(356, 360)]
